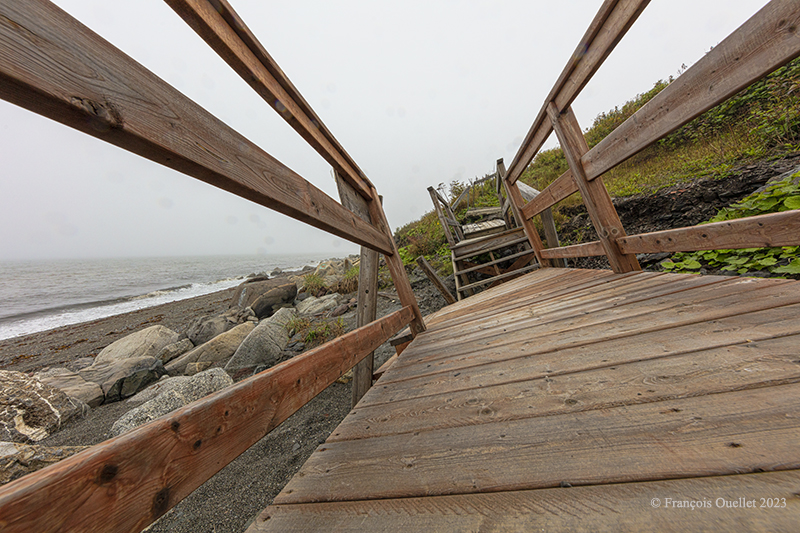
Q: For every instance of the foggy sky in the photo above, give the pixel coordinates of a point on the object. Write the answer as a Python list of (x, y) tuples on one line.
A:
[(418, 93)]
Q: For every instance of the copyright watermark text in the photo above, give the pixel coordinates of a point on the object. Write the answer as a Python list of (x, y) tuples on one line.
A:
[(719, 503)]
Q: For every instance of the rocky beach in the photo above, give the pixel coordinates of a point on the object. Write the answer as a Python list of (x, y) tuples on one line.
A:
[(104, 377)]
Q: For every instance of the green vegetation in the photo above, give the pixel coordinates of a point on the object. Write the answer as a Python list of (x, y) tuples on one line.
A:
[(761, 122), (315, 332), (780, 196), (314, 285)]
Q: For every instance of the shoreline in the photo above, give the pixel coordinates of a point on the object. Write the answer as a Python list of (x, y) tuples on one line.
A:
[(66, 344)]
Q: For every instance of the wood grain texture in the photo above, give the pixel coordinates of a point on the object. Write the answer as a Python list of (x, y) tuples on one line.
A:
[(54, 66), (586, 249), (563, 187), (220, 26), (616, 323), (127, 482), (482, 245), (534, 363), (762, 44), (367, 310), (595, 195), (619, 508), (655, 378), (516, 201), (761, 231), (608, 27), (548, 222), (435, 279), (718, 434)]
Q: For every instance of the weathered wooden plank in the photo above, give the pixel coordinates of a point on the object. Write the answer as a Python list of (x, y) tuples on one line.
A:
[(669, 312), (656, 378), (601, 297), (448, 233), (367, 310), (435, 279), (500, 277), (395, 264), (127, 482), (496, 261), (482, 245), (520, 292), (619, 508), (563, 187), (610, 302), (220, 26), (500, 367), (75, 77), (610, 24), (516, 202), (761, 231), (586, 249), (595, 195), (762, 44), (729, 433)]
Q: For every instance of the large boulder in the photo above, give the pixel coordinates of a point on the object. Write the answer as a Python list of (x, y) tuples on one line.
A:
[(314, 306), (17, 460), (275, 293), (174, 350), (162, 385), (217, 349), (145, 343), (174, 396), (263, 346), (204, 328), (73, 385), (31, 410), (276, 298), (123, 378)]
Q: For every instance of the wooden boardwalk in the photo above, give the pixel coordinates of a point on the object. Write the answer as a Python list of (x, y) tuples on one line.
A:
[(570, 399)]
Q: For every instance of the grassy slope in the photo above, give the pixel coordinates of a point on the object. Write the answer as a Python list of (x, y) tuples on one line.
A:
[(761, 122)]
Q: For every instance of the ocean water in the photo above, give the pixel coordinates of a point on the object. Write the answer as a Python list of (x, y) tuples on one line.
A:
[(45, 294)]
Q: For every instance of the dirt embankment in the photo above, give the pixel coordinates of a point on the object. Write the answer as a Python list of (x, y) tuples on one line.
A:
[(675, 207)]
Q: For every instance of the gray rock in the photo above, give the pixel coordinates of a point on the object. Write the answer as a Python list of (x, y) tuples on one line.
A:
[(217, 349), (251, 290), (73, 385), (31, 410), (162, 385), (175, 396), (17, 460), (195, 368), (121, 379), (313, 306), (205, 328), (263, 346), (276, 298), (145, 343), (342, 309), (174, 350)]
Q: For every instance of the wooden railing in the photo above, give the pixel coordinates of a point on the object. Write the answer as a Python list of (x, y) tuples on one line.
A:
[(53, 65), (764, 43)]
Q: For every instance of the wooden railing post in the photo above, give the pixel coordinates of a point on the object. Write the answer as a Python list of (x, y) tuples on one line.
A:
[(367, 310), (515, 197), (595, 195), (548, 222), (395, 264)]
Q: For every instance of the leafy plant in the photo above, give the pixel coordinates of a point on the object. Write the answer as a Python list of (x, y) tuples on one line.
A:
[(317, 332), (780, 196)]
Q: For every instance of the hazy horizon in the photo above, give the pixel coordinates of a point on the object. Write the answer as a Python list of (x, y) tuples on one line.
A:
[(419, 93)]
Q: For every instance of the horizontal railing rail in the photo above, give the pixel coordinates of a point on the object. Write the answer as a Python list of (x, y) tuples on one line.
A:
[(79, 79), (125, 483), (764, 43)]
